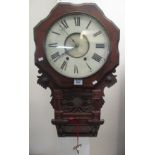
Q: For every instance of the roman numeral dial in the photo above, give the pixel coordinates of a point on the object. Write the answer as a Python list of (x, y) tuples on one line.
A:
[(89, 66), (64, 23), (76, 69), (56, 33), (77, 45), (96, 57), (77, 21), (88, 24), (53, 45), (100, 45), (64, 65), (97, 33), (55, 56)]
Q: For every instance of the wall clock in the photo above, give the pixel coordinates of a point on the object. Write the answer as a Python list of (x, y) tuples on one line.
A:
[(76, 53)]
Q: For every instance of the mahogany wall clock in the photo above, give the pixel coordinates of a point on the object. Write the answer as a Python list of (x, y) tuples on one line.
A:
[(76, 53)]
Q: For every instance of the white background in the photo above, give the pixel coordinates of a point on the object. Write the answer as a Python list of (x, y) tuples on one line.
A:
[(43, 136), (139, 49)]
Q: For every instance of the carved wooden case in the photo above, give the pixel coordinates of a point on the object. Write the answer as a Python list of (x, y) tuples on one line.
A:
[(77, 108)]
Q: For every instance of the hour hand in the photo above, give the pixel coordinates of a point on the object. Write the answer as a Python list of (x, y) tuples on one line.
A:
[(67, 49)]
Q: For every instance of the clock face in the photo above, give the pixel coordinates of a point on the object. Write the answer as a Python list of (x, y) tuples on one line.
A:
[(77, 46)]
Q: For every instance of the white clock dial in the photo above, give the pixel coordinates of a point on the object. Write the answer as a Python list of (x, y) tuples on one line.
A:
[(77, 46)]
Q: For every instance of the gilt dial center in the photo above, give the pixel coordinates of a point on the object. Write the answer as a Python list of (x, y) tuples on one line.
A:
[(79, 43)]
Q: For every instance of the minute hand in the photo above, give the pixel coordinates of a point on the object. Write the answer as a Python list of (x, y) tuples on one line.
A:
[(76, 45)]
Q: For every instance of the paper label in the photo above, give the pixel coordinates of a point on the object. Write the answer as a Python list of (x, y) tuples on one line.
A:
[(78, 82)]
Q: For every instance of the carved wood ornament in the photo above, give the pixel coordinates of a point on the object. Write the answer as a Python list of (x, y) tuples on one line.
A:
[(77, 107)]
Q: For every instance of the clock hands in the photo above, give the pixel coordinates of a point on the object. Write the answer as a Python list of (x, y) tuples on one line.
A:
[(65, 47), (76, 45), (68, 49)]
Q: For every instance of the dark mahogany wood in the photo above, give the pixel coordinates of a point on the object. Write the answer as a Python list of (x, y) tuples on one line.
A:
[(76, 105)]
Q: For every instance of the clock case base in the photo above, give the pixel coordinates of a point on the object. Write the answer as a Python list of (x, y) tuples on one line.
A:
[(88, 131), (77, 112)]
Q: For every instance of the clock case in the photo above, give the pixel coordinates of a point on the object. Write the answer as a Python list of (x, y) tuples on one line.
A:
[(77, 108)]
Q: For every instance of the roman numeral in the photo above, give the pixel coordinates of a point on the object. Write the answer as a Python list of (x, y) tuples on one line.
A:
[(97, 33), (55, 56), (64, 23), (77, 21), (76, 69), (88, 66), (100, 45), (88, 24), (64, 65), (96, 57), (53, 45), (56, 33)]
